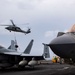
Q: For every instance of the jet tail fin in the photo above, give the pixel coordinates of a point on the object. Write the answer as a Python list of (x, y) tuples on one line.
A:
[(12, 46), (28, 48), (60, 34), (46, 53)]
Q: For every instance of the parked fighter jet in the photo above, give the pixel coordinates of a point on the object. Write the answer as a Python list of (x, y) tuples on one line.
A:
[(32, 60), (64, 44), (15, 28), (10, 57)]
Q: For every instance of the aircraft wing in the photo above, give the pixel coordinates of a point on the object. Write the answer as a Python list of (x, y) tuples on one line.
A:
[(43, 56), (29, 56), (12, 53)]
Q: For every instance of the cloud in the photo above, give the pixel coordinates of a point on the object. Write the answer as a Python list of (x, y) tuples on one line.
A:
[(51, 33), (25, 4), (29, 4)]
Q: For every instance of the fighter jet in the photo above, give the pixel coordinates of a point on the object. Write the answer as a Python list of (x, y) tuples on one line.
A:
[(32, 60), (15, 28), (10, 57), (64, 44)]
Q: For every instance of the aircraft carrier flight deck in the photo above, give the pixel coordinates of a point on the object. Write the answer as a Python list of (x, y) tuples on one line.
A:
[(43, 69)]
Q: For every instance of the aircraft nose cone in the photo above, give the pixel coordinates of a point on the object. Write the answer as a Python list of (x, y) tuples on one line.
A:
[(62, 45)]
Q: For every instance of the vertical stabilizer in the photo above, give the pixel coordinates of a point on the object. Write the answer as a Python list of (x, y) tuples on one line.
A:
[(12, 46), (28, 48), (46, 51)]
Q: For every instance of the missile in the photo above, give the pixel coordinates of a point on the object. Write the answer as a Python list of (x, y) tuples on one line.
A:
[(32, 62), (23, 62)]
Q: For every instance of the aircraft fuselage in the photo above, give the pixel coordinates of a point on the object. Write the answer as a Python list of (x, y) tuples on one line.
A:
[(8, 60), (64, 45)]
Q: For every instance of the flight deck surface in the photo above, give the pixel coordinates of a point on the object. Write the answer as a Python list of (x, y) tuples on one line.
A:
[(43, 69)]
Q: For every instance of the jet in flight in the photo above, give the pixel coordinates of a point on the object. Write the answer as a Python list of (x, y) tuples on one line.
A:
[(64, 45), (10, 57), (15, 28)]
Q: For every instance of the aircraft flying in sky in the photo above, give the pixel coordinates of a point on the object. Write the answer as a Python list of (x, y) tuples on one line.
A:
[(15, 28), (10, 57)]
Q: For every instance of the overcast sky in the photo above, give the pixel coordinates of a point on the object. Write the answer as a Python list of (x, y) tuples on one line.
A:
[(45, 18)]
